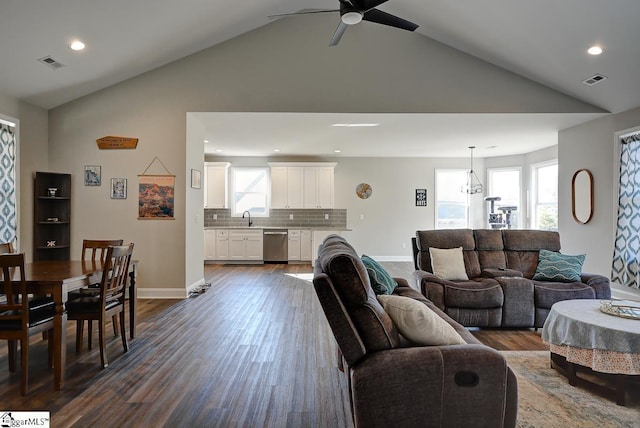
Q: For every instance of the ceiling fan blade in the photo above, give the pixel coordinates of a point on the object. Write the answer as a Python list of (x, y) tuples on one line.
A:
[(384, 18), (307, 12), (366, 5), (342, 27)]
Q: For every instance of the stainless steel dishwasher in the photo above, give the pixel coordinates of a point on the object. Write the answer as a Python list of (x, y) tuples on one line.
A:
[(275, 245)]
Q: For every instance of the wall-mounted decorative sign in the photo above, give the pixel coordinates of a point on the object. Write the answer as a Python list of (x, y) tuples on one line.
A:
[(118, 188), (112, 142), (421, 197), (92, 175), (363, 190), (156, 195)]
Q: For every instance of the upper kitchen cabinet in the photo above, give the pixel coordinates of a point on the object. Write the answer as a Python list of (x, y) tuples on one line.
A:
[(216, 184), (318, 187), (302, 184), (287, 186)]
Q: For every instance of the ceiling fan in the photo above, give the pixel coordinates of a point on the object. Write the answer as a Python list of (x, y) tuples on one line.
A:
[(354, 11)]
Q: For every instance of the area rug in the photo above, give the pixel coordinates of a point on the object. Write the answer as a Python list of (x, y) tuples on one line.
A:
[(545, 398)]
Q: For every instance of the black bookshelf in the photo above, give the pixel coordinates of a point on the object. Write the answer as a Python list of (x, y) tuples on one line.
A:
[(51, 216)]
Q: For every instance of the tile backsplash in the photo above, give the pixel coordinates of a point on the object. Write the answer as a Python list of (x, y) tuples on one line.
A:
[(337, 218)]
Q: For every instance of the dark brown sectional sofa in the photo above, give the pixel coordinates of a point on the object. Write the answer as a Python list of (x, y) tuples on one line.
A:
[(393, 382), (500, 265)]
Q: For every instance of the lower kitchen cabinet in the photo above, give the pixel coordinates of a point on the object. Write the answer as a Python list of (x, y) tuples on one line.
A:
[(245, 244), (294, 245), (299, 245), (305, 245), (317, 238), (222, 244)]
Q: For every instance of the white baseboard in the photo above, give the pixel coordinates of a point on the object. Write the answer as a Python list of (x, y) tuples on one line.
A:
[(162, 293), (168, 293), (392, 258)]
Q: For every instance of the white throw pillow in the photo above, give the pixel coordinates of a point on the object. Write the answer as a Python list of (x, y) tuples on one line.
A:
[(415, 321), (448, 263)]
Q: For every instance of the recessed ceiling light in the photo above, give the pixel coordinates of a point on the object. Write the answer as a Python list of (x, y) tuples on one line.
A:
[(77, 45), (355, 125), (337, 151), (276, 150), (206, 141), (218, 150), (594, 50)]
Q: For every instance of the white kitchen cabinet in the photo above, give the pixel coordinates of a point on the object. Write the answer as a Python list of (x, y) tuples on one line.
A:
[(305, 245), (287, 187), (294, 245), (210, 244), (245, 244), (318, 236), (216, 184), (318, 187), (222, 244)]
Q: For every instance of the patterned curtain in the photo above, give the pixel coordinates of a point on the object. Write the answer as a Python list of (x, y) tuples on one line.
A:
[(7, 184), (626, 253)]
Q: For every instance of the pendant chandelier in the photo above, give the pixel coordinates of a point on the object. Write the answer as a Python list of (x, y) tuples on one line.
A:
[(473, 185)]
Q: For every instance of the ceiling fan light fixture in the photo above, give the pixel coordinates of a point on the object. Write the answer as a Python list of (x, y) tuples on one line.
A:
[(351, 18)]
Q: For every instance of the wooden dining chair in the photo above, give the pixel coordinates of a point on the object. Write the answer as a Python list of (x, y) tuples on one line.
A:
[(97, 248), (6, 248), (21, 317), (94, 250), (109, 302)]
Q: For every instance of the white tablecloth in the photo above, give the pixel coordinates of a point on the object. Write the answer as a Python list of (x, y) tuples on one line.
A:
[(580, 332)]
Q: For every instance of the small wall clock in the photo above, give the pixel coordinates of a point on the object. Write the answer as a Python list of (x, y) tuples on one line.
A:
[(363, 190)]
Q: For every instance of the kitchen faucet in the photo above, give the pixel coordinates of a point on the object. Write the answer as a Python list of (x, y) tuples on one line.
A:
[(247, 212)]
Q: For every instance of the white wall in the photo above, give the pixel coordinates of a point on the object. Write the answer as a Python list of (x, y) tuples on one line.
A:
[(592, 146), (264, 70), (32, 156)]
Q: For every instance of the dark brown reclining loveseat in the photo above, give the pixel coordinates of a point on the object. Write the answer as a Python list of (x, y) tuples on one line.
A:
[(500, 265), (394, 383)]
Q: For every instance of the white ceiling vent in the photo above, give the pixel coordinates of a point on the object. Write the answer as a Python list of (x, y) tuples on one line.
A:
[(594, 79), (50, 62)]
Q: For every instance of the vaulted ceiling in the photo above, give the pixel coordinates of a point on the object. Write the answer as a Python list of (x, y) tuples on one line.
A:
[(545, 41)]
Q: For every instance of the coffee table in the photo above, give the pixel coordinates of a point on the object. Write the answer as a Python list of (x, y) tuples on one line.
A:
[(583, 338)]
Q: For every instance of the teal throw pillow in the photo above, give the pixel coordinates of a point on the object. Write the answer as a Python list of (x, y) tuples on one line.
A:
[(553, 266), (381, 281)]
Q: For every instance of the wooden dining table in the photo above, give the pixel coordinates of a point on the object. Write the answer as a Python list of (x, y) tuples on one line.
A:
[(57, 278)]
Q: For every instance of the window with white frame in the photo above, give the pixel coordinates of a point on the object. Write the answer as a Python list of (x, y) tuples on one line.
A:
[(249, 191), (452, 205), (544, 204), (506, 184)]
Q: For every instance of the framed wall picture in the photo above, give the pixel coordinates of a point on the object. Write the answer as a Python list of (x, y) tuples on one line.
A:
[(196, 179), (421, 197), (118, 188), (92, 175), (155, 197)]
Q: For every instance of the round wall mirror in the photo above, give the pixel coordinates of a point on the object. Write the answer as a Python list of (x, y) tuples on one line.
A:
[(582, 196)]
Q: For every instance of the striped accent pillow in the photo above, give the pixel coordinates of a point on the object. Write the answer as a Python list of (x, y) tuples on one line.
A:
[(553, 266)]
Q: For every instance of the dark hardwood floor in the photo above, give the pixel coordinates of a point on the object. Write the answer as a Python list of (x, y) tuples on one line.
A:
[(253, 350)]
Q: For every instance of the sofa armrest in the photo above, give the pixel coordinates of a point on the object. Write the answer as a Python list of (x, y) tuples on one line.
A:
[(599, 283), (433, 386), (402, 282), (431, 286), (501, 273)]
